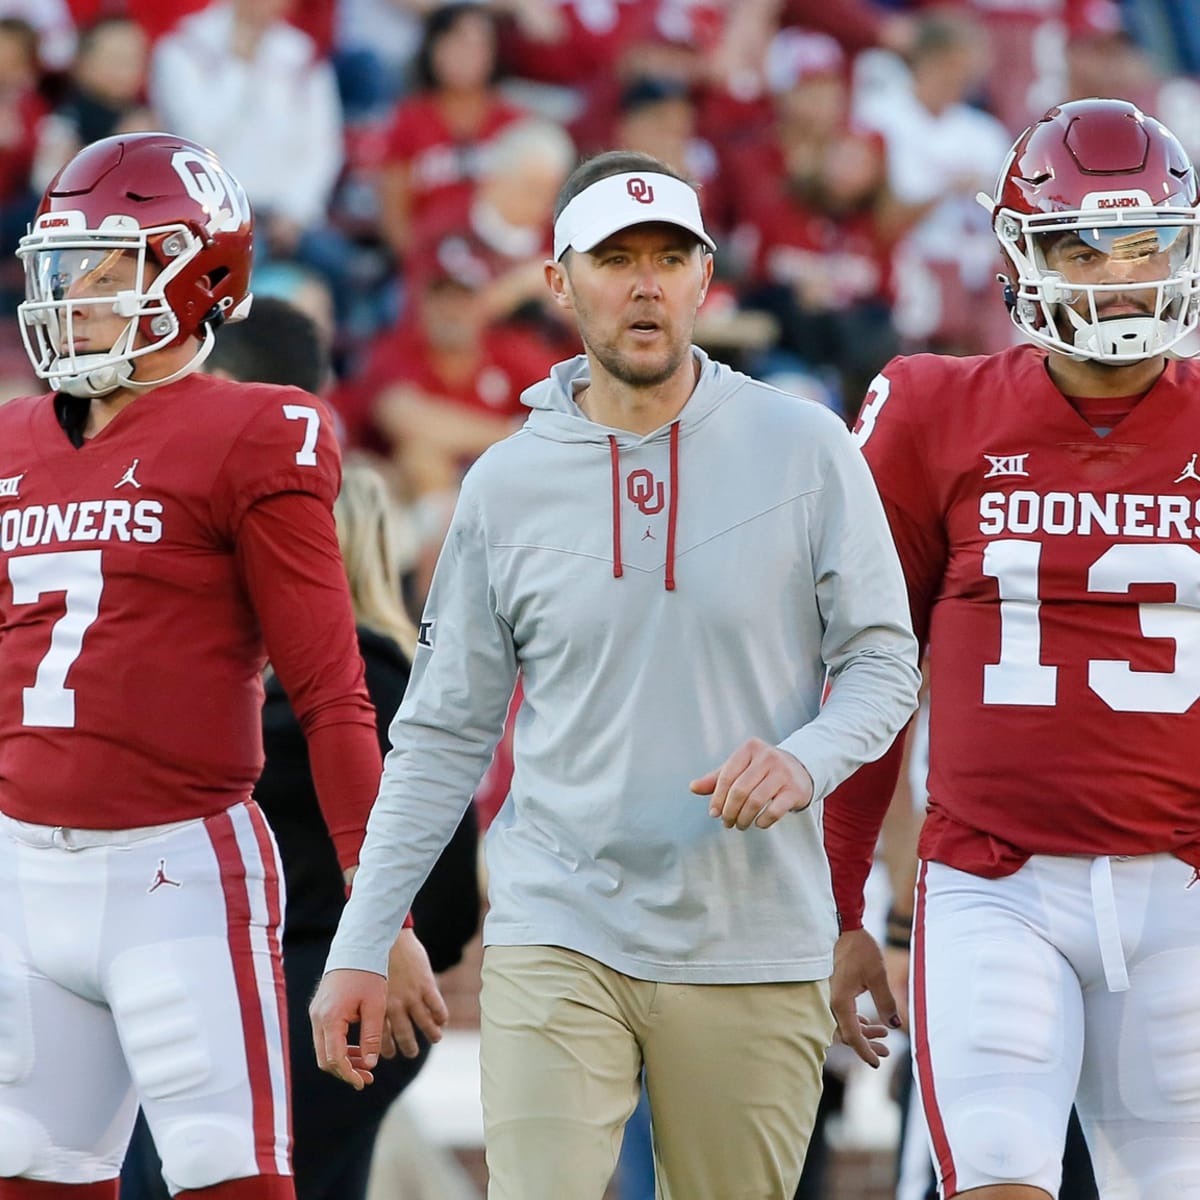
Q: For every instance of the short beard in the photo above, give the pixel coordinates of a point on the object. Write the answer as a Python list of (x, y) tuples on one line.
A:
[(625, 371)]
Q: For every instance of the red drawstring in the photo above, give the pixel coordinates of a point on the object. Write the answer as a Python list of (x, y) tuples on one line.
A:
[(614, 454), (672, 509), (669, 578)]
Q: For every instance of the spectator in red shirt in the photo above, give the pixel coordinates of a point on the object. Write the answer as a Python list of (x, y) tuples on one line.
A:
[(807, 74), (498, 239), (575, 42), (810, 200), (432, 154), (441, 388)]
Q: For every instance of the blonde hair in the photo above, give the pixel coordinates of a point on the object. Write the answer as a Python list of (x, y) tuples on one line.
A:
[(371, 537)]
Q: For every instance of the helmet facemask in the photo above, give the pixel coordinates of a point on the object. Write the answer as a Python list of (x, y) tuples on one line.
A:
[(1072, 266), (71, 271)]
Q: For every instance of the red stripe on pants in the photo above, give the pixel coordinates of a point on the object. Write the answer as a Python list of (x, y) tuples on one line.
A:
[(920, 1028), (266, 848), (237, 910)]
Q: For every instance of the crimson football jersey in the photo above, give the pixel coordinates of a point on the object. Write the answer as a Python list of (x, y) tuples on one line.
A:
[(134, 589), (1055, 574)]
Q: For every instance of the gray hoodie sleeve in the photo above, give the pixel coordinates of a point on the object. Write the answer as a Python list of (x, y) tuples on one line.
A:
[(868, 645), (443, 737)]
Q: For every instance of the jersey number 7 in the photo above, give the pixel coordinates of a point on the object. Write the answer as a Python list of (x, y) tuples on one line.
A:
[(77, 574)]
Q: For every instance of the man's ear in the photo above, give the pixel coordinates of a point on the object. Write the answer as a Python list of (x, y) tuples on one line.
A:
[(558, 283), (708, 274)]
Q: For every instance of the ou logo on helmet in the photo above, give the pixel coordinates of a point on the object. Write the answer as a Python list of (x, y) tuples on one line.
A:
[(215, 191)]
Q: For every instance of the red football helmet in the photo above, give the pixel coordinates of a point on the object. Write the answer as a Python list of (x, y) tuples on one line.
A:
[(1117, 183), (146, 226)]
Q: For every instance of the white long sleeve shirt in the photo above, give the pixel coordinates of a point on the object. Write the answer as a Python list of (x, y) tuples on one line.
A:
[(783, 570), (274, 121)]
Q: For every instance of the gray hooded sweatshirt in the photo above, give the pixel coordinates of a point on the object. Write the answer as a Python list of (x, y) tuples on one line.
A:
[(664, 597)]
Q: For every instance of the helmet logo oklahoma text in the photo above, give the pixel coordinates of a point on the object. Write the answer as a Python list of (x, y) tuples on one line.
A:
[(213, 190), (644, 492), (1125, 198), (640, 190)]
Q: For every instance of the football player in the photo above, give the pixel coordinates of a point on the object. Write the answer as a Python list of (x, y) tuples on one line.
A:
[(1045, 501), (161, 532)]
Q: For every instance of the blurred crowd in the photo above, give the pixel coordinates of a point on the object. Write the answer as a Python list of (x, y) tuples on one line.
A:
[(403, 157)]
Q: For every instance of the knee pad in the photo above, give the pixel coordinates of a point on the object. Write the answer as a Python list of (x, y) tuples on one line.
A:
[(202, 1150), (1147, 1163), (16, 1021), (1015, 1004), (1167, 997), (22, 1142), (1006, 1136)]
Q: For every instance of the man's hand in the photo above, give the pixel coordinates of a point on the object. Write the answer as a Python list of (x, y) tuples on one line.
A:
[(413, 998), (346, 998), (756, 785), (858, 968)]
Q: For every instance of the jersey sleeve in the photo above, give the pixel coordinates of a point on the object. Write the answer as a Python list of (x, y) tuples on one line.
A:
[(288, 556), (897, 450), (896, 441), (287, 444)]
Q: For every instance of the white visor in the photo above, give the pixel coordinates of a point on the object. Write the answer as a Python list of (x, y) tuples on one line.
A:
[(620, 201)]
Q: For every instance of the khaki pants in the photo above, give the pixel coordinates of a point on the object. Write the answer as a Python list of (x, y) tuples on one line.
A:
[(733, 1074)]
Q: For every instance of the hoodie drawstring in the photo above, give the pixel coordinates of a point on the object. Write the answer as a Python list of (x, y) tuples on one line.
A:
[(615, 456), (669, 577), (672, 507)]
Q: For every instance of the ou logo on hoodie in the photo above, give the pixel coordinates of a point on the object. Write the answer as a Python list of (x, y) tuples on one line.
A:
[(643, 491)]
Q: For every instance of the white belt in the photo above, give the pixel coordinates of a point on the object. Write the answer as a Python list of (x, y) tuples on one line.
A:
[(58, 837), (1108, 929)]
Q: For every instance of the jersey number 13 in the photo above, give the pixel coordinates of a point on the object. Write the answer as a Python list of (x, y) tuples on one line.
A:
[(1020, 677)]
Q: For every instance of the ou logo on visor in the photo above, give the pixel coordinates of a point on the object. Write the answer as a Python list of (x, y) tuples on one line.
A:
[(642, 490), (213, 190), (640, 190)]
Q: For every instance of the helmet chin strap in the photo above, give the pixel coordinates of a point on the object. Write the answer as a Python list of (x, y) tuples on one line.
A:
[(1121, 339), (95, 381), (106, 377)]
